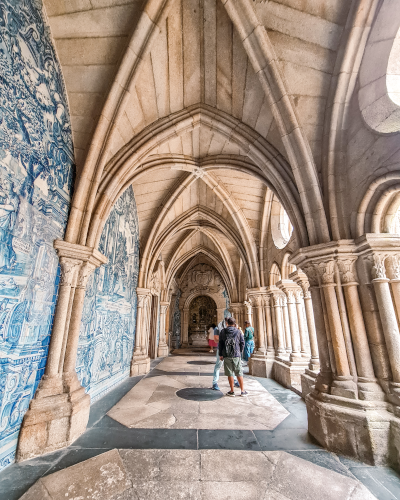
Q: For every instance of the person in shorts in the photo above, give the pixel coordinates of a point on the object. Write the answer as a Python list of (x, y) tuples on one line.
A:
[(230, 347)]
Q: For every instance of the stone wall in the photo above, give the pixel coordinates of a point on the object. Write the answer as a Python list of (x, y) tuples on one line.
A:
[(108, 325), (36, 179)]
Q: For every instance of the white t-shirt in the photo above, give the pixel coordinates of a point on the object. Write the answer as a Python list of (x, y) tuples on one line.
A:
[(211, 333)]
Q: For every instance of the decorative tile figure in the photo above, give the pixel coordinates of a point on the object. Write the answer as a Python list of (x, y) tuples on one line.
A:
[(36, 178), (109, 313)]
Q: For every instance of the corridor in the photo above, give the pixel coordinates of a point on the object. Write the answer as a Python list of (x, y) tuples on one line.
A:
[(167, 436)]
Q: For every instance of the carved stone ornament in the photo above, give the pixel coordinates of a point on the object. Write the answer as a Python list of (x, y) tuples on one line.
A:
[(299, 296), (68, 269), (141, 300), (155, 282), (266, 300), (248, 305), (290, 296), (326, 271), (255, 300), (199, 173), (378, 269), (395, 267), (84, 274), (202, 277), (312, 274), (277, 300), (347, 270)]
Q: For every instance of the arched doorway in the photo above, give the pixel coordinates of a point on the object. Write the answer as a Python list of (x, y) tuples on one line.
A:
[(202, 313)]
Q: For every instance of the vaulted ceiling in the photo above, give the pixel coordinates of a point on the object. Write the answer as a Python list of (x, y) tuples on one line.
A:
[(201, 190)]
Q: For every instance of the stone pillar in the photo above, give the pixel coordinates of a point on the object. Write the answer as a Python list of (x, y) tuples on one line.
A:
[(140, 363), (286, 323), (248, 312), (268, 326), (303, 333), (295, 354), (368, 387), (343, 384), (59, 412), (394, 269), (262, 341), (280, 351), (314, 361), (163, 346), (323, 381), (388, 318), (185, 328)]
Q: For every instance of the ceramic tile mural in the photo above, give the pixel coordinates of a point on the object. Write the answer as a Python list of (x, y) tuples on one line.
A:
[(36, 175), (109, 315)]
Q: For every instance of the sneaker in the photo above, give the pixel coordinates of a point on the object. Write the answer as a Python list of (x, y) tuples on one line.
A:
[(244, 393), (231, 394), (237, 384), (215, 387)]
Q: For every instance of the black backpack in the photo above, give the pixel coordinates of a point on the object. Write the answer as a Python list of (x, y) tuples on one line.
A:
[(230, 344)]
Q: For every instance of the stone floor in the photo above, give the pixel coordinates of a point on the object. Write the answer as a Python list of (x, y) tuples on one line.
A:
[(273, 458)]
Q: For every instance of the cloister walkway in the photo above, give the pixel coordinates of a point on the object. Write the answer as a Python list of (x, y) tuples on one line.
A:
[(172, 438)]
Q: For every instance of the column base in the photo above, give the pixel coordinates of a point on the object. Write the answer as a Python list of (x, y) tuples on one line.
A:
[(57, 416), (140, 365), (308, 379), (363, 430), (289, 373), (162, 351), (260, 366)]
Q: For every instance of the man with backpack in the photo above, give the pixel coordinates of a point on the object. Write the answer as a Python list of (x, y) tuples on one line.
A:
[(219, 362), (230, 347)]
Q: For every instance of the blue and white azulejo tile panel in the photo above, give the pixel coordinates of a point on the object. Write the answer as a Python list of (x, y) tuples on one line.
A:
[(109, 315), (36, 178)]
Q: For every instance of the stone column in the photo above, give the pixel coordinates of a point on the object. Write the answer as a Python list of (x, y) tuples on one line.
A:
[(324, 378), (69, 274), (268, 326), (59, 412), (314, 361), (388, 318), (367, 383), (343, 385), (185, 328), (303, 333), (162, 346), (295, 354), (140, 363), (394, 269), (248, 311), (69, 374), (286, 323), (262, 342), (280, 351)]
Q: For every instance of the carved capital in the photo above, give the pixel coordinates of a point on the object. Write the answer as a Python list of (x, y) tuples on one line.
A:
[(84, 274), (266, 300), (298, 296), (69, 267), (394, 267), (312, 274), (347, 269), (256, 300), (248, 306), (290, 296), (378, 270), (326, 270), (277, 300)]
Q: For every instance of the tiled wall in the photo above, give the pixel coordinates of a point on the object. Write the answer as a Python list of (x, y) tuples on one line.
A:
[(109, 316), (36, 178)]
